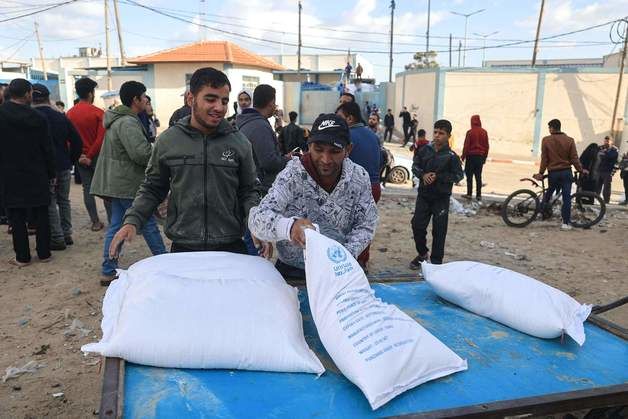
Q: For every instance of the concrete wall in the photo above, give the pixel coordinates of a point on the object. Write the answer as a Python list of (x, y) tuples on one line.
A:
[(583, 103), (314, 103), (516, 105), (505, 103)]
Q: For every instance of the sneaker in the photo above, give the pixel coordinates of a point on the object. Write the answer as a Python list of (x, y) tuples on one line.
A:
[(469, 197), (415, 264), (105, 280), (566, 227), (46, 260), (624, 202), (57, 246), (68, 240), (97, 226)]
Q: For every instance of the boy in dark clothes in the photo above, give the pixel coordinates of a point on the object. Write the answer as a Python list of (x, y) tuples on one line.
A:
[(438, 168)]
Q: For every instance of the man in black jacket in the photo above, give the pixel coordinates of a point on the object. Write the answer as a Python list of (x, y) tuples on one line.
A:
[(68, 147), (253, 123), (389, 124), (292, 135), (27, 170), (437, 168), (407, 125)]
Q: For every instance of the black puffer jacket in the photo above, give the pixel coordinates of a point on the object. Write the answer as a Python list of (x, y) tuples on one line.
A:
[(27, 159), (444, 162)]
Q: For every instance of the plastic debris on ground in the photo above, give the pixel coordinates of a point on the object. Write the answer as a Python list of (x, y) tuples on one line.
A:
[(14, 372)]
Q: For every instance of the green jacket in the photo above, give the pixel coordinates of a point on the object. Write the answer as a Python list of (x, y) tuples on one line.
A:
[(212, 183), (123, 157)]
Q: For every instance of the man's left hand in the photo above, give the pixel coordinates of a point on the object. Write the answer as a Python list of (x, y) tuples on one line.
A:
[(538, 176)]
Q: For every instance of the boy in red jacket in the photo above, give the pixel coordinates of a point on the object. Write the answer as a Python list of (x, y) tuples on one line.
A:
[(475, 152)]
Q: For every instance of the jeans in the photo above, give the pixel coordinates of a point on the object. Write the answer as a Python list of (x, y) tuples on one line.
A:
[(87, 173), (151, 234), (17, 220), (436, 209), (473, 169), (561, 179), (406, 133), (604, 182), (59, 210), (250, 246)]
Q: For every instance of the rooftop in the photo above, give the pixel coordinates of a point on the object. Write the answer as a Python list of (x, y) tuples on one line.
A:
[(209, 51)]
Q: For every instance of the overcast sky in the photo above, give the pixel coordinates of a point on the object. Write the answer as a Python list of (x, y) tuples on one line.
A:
[(361, 25)]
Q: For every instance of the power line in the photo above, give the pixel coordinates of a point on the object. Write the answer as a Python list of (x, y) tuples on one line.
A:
[(53, 6), (272, 41)]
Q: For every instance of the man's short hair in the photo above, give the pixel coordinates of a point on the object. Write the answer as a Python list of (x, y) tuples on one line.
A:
[(60, 103), (555, 124), (350, 109), (208, 76), (263, 95), (293, 116), (130, 90), (421, 133), (350, 95), (443, 124), (18, 88), (389, 110), (84, 86)]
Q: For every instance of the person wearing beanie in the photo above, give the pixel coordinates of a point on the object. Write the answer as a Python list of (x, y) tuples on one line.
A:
[(323, 187), (437, 167)]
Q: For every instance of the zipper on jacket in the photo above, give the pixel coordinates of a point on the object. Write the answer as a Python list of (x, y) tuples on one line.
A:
[(205, 232)]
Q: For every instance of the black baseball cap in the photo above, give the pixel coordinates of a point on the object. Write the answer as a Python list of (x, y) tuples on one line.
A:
[(40, 91), (330, 129)]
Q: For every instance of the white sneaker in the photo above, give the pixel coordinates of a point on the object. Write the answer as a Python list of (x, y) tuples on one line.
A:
[(566, 227)]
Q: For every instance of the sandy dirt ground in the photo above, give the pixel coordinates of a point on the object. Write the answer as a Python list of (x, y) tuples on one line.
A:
[(39, 304)]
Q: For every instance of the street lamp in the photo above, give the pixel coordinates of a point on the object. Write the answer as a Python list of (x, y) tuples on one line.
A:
[(466, 18), (484, 42)]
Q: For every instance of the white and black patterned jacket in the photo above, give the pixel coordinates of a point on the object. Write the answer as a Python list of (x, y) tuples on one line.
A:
[(348, 214)]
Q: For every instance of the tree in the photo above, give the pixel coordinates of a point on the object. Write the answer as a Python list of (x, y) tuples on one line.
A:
[(423, 60)]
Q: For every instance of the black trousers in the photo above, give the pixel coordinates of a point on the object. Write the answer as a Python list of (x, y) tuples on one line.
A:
[(473, 169), (604, 182), (626, 187), (18, 218), (406, 133), (237, 246), (388, 132), (436, 209), (289, 272)]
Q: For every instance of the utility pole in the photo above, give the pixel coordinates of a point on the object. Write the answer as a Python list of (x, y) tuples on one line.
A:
[(466, 20), (41, 51), (459, 48), (392, 21), (120, 44), (427, 34), (109, 81), (449, 50), (621, 74), (299, 47), (202, 34), (484, 36), (538, 32)]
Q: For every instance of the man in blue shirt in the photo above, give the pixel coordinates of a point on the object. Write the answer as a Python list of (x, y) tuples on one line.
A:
[(366, 152)]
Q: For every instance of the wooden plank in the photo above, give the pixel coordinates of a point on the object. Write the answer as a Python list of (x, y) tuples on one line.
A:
[(111, 390), (542, 405)]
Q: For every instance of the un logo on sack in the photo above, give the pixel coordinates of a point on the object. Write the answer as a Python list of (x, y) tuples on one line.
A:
[(336, 254)]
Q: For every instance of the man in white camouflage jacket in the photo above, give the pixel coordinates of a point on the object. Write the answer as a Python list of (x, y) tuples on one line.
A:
[(323, 187)]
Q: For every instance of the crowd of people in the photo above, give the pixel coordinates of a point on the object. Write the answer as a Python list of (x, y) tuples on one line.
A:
[(236, 184)]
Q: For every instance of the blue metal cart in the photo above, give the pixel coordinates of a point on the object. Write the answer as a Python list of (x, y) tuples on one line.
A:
[(509, 373)]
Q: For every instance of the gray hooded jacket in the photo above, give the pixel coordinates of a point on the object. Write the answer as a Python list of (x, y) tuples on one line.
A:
[(268, 158)]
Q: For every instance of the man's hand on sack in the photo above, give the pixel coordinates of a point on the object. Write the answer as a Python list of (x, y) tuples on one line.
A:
[(297, 231), (264, 249)]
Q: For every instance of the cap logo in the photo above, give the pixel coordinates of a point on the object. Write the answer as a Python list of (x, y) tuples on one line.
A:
[(328, 123)]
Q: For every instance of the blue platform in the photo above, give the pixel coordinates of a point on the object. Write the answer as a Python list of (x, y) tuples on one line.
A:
[(503, 365)]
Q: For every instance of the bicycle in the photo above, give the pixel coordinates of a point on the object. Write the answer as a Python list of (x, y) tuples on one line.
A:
[(524, 205)]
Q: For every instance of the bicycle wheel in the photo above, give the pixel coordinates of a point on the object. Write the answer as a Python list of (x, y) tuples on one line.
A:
[(587, 209), (520, 208)]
